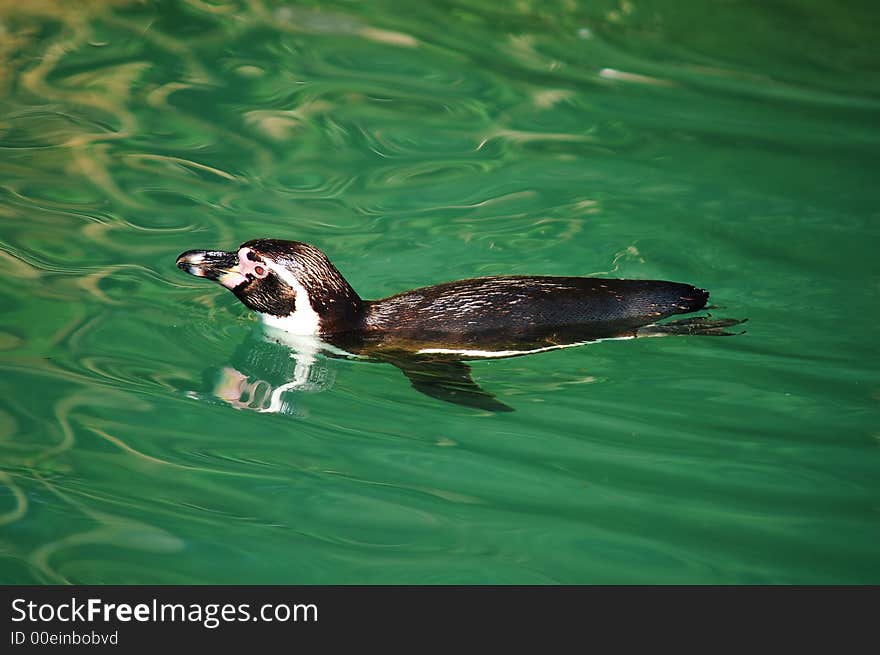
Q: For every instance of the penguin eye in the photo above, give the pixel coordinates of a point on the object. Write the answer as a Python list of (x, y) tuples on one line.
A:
[(260, 271)]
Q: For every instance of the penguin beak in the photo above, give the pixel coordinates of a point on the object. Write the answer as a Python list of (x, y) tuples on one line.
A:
[(214, 265)]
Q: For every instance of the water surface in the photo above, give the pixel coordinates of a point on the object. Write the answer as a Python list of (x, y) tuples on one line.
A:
[(729, 145)]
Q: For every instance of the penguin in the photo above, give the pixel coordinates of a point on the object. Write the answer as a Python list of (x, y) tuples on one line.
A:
[(431, 332)]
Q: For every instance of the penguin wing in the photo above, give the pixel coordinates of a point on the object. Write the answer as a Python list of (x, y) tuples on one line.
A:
[(449, 381)]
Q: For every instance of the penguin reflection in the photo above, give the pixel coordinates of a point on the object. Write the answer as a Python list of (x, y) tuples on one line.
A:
[(265, 374)]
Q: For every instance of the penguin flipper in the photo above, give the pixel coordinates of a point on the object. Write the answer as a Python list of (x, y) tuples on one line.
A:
[(449, 381)]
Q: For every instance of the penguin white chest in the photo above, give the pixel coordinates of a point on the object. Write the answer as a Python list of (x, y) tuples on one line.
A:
[(304, 320)]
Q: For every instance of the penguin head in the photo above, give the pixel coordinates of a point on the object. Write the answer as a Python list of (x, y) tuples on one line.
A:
[(291, 284)]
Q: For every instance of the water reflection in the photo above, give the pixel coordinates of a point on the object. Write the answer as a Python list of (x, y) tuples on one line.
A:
[(268, 369)]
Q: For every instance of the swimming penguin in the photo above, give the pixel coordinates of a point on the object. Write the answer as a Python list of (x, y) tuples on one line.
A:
[(429, 332)]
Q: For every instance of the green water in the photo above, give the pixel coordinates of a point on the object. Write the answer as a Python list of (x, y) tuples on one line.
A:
[(729, 145)]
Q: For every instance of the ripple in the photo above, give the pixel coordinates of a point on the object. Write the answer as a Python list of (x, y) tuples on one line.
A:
[(20, 503), (584, 139)]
